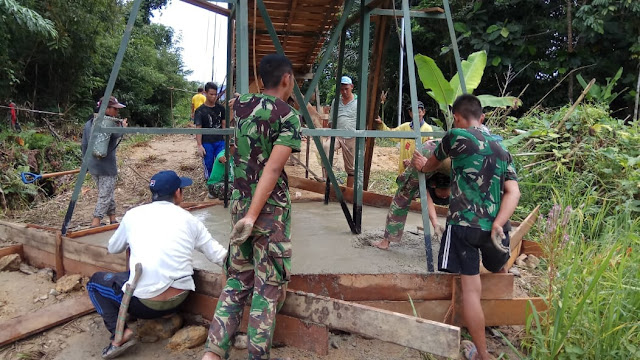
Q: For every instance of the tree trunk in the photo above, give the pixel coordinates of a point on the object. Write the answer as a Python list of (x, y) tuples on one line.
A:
[(570, 45)]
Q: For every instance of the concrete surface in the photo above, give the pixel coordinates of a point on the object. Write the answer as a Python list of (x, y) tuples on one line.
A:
[(323, 243)]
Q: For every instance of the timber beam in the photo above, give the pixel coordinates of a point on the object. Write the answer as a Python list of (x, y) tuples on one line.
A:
[(209, 6)]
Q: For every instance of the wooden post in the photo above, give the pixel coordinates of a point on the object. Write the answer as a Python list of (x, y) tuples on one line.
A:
[(382, 30)]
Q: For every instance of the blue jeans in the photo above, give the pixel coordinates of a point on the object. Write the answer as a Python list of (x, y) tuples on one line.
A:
[(212, 150)]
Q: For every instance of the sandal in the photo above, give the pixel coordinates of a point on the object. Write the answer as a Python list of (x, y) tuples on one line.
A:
[(112, 351), (468, 349)]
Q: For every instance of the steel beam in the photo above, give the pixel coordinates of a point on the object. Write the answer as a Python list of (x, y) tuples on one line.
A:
[(334, 112), (155, 130), (242, 46), (418, 139), (103, 107), (358, 179), (209, 6), (413, 14), (454, 43), (370, 133)]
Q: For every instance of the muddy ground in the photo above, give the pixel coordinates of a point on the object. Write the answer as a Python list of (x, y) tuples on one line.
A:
[(84, 338)]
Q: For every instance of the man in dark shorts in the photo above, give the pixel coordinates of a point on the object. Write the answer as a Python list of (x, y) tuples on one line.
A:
[(484, 194)]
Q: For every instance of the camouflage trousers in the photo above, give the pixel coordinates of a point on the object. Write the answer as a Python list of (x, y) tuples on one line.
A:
[(408, 189), (260, 267), (217, 190)]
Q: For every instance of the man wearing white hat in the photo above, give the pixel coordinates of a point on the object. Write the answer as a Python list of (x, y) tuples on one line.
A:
[(347, 115)]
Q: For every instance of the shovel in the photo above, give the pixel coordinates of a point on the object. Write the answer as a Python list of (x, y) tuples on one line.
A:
[(28, 177)]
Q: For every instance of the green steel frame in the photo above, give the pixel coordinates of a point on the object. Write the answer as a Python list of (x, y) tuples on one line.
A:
[(239, 13)]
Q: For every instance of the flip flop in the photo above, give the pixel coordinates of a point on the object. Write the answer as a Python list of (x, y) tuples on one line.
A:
[(468, 349), (112, 351)]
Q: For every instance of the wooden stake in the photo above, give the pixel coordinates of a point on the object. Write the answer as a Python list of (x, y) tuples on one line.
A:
[(518, 235)]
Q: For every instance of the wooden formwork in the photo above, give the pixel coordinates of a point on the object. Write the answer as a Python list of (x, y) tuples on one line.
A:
[(435, 296)]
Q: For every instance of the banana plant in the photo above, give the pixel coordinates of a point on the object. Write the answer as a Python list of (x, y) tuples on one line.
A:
[(445, 92)]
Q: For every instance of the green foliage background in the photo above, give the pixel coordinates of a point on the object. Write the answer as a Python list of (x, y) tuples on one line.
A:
[(67, 71)]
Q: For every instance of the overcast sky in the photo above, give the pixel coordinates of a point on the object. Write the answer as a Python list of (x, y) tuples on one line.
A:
[(199, 32)]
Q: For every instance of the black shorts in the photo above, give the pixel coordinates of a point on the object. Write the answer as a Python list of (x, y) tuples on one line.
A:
[(460, 251)]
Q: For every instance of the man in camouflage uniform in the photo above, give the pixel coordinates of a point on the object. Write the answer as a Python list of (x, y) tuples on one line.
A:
[(438, 185), (484, 194), (259, 260)]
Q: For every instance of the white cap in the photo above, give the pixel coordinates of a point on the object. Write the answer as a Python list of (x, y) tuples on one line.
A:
[(346, 80)]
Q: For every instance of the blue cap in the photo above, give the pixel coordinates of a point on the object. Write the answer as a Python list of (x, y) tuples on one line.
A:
[(346, 80), (166, 183)]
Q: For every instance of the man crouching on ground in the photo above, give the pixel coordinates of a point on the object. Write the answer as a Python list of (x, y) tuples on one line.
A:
[(484, 194), (162, 237), (259, 260)]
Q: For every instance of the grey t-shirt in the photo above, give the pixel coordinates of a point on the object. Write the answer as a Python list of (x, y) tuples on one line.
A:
[(101, 166), (347, 115)]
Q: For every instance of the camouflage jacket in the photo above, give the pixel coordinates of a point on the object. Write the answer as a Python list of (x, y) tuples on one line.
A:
[(262, 121), (480, 165)]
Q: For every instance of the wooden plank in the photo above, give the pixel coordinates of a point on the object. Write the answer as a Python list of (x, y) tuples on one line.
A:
[(91, 231), (519, 233), (382, 30), (93, 254), (416, 333), (289, 330), (13, 249), (368, 198), (20, 233), (497, 312), (42, 259), (365, 287), (34, 322), (532, 248)]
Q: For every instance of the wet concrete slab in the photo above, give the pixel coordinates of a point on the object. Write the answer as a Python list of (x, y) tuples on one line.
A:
[(323, 243)]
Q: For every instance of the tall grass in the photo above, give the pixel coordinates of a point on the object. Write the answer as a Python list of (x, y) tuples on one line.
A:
[(593, 289)]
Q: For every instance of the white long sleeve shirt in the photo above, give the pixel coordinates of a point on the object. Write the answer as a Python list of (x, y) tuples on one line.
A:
[(162, 237)]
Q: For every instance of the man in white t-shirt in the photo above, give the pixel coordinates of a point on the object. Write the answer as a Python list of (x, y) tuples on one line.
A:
[(347, 116), (162, 237)]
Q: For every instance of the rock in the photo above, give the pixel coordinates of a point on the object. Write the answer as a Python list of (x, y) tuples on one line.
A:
[(45, 274), (515, 271), (69, 283), (148, 339), (241, 341), (521, 259), (334, 344), (188, 338), (161, 328), (53, 292), (532, 262), (10, 262), (26, 269), (44, 297)]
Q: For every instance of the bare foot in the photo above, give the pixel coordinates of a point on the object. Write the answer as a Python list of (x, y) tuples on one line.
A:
[(382, 244), (126, 336)]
